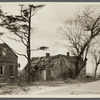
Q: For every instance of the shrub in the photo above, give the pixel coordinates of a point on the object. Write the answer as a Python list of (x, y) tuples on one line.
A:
[(89, 76), (65, 75)]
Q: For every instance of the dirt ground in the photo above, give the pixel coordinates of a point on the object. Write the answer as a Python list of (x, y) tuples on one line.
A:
[(77, 87)]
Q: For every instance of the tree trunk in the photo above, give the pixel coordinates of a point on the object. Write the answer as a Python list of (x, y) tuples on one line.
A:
[(79, 68), (95, 72), (76, 68), (76, 74), (29, 47), (71, 74)]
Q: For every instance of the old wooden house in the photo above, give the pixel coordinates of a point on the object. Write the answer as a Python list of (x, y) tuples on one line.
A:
[(8, 64), (53, 67)]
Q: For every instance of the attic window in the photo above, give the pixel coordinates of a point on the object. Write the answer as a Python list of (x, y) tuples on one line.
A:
[(2, 51)]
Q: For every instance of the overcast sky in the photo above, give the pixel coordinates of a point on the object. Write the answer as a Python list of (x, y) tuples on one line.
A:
[(46, 21)]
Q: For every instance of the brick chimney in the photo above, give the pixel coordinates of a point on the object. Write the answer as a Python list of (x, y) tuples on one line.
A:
[(47, 54), (68, 54)]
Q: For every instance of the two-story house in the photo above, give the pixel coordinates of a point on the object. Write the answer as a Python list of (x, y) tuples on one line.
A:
[(8, 64)]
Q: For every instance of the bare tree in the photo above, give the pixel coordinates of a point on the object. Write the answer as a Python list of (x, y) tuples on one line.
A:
[(20, 25), (80, 32), (95, 51)]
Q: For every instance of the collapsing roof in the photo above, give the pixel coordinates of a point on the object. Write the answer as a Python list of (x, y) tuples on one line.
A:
[(49, 62)]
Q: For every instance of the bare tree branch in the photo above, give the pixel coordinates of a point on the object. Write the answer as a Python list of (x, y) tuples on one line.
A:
[(80, 33), (20, 25)]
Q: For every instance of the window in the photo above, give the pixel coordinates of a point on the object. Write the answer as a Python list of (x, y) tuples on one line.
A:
[(36, 67), (11, 70), (2, 51), (1, 69), (51, 65)]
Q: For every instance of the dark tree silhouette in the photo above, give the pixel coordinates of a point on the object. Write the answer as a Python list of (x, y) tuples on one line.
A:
[(20, 25), (95, 51), (80, 32)]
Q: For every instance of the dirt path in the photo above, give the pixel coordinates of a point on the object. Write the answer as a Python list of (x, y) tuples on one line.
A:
[(63, 90), (84, 89)]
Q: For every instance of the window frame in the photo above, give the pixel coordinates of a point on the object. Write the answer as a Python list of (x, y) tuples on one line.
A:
[(2, 51), (2, 70), (10, 71)]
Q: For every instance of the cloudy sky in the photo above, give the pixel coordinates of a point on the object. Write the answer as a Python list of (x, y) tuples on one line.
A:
[(46, 21)]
